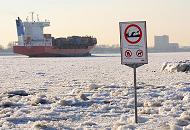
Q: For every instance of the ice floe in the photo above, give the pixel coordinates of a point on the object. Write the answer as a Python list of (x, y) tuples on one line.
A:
[(94, 93)]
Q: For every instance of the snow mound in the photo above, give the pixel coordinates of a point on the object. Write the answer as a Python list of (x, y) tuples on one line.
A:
[(175, 127), (39, 100), (186, 127), (83, 97), (74, 102), (113, 85), (93, 87), (179, 124), (148, 110), (140, 119), (131, 103), (152, 104), (185, 116), (182, 84), (182, 66), (67, 102), (123, 118), (131, 119), (186, 98), (42, 125), (126, 127), (88, 123)]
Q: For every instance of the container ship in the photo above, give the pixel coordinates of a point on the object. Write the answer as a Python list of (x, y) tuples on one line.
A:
[(34, 43)]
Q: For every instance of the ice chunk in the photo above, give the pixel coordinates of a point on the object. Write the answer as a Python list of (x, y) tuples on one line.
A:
[(186, 98), (175, 127), (126, 127), (42, 125), (88, 123), (185, 116), (152, 104), (8, 104), (93, 87), (18, 92), (39, 100), (182, 66), (83, 96), (140, 119)]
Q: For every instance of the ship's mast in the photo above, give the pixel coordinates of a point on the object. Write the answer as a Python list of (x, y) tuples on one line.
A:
[(34, 35), (32, 16), (38, 18)]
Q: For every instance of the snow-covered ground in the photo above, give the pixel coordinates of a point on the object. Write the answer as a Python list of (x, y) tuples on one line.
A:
[(92, 93)]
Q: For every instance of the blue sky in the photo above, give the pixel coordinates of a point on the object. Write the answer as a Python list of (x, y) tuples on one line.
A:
[(100, 18)]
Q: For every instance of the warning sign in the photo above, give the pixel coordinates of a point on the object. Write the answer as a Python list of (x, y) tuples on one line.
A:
[(133, 42), (133, 33)]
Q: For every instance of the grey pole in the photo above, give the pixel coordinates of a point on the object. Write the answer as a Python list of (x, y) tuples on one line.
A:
[(135, 88)]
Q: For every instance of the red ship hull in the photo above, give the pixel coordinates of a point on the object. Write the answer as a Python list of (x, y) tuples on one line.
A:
[(50, 51)]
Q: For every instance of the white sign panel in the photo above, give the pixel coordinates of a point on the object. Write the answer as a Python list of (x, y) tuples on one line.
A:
[(133, 42)]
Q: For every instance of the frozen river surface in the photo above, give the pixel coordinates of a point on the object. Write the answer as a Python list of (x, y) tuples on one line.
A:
[(92, 93)]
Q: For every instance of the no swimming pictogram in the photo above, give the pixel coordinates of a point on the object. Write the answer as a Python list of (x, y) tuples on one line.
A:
[(133, 33)]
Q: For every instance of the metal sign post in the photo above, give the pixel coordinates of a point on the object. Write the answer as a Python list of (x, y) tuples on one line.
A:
[(135, 88), (133, 45), (135, 66)]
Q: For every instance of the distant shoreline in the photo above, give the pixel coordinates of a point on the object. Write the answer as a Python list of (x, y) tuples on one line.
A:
[(108, 50), (150, 50)]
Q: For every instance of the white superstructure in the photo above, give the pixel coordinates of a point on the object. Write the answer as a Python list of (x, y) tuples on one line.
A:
[(31, 33)]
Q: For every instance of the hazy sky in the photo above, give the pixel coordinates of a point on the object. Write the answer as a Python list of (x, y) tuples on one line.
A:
[(100, 18)]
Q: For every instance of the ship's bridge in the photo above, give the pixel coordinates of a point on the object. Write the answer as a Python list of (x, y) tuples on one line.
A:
[(31, 32), (34, 31)]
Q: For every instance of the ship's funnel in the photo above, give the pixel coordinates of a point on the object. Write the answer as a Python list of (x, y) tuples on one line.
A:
[(20, 27), (20, 31)]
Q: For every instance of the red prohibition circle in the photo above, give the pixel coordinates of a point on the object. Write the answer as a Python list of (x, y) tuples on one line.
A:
[(139, 53), (128, 53), (133, 25)]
